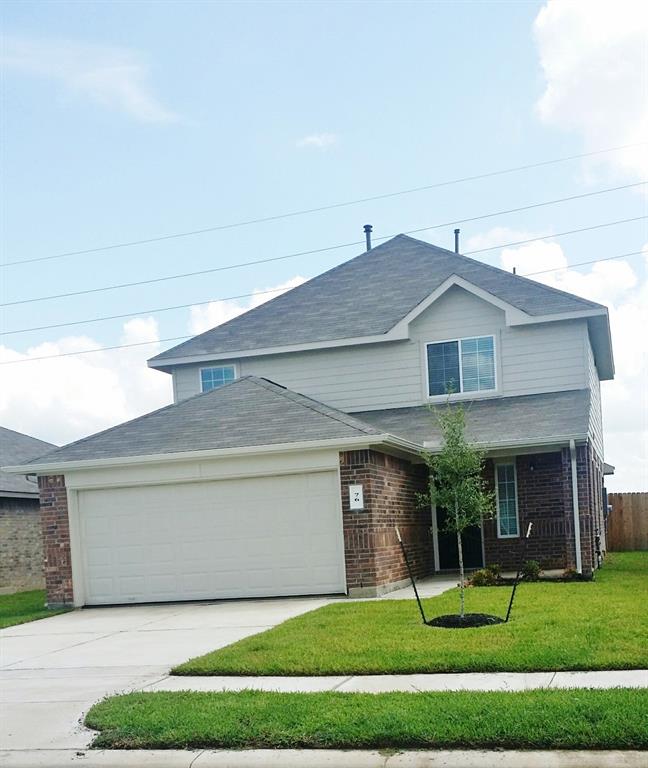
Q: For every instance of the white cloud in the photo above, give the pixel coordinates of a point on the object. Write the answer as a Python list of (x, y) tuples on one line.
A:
[(617, 285), (206, 316), (67, 398), (593, 55), (116, 78), (318, 141)]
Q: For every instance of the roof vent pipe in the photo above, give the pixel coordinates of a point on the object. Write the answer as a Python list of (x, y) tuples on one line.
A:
[(457, 240), (367, 231)]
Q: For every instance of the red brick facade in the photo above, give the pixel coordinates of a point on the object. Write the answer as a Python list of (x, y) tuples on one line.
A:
[(544, 488), (56, 540), (390, 485)]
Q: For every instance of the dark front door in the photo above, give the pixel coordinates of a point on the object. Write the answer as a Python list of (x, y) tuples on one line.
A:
[(471, 540)]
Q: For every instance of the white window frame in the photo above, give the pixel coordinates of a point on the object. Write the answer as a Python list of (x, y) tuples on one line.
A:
[(208, 368), (461, 393), (507, 461)]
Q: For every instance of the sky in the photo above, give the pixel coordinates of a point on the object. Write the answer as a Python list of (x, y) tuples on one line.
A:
[(124, 122)]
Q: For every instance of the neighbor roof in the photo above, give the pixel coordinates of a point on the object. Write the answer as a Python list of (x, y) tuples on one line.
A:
[(247, 412), (367, 296), (16, 448), (525, 419)]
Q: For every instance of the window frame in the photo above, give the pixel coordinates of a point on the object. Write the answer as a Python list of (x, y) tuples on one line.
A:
[(509, 461), (461, 394), (202, 391)]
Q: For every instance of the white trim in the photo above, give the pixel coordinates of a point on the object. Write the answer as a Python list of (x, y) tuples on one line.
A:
[(398, 332), (202, 368), (435, 537), (344, 443), (509, 461), (79, 584), (558, 441), (575, 506), (338, 473), (461, 394)]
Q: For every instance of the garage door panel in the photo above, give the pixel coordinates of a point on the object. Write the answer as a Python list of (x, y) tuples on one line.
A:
[(250, 537)]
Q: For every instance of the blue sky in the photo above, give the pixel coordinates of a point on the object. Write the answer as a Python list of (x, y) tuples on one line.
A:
[(130, 120)]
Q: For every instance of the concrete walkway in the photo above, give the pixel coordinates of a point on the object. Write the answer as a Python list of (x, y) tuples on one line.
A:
[(323, 758), (472, 681)]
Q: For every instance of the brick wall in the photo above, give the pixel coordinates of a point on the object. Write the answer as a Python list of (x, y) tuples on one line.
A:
[(56, 540), (545, 498), (21, 545), (390, 485)]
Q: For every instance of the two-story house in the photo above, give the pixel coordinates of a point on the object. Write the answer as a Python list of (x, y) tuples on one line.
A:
[(293, 447)]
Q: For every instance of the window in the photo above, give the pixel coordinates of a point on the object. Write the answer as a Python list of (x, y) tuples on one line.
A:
[(506, 492), (464, 365), (212, 378)]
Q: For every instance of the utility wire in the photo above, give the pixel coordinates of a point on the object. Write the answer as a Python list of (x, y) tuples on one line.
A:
[(276, 290), (184, 338), (321, 250), (333, 206)]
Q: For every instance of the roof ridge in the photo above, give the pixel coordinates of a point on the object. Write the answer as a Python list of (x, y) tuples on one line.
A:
[(315, 405)]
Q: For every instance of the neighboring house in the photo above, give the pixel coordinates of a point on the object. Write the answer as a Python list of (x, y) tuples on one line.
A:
[(21, 547), (293, 447)]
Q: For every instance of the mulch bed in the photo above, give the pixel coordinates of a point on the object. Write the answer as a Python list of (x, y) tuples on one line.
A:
[(454, 621)]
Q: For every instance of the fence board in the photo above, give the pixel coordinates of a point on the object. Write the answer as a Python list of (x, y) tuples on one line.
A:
[(628, 522)]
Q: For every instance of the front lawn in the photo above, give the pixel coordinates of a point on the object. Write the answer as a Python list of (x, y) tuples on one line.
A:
[(542, 719), (585, 625), (22, 607)]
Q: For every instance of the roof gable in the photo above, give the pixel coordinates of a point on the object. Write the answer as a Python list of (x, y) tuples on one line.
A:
[(369, 296)]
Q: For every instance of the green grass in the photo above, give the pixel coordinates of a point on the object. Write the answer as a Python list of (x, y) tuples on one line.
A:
[(541, 719), (586, 625), (22, 607)]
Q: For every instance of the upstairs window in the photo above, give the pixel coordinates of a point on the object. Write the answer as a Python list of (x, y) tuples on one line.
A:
[(212, 378), (461, 365), (508, 524)]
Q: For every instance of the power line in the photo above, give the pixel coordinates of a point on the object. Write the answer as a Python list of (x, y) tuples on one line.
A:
[(584, 263), (332, 206), (140, 312), (321, 250), (556, 234), (184, 338), (277, 290)]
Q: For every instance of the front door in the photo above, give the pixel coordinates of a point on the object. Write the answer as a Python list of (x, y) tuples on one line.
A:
[(471, 540)]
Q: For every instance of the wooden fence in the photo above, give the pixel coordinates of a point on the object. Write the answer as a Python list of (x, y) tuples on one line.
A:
[(628, 522)]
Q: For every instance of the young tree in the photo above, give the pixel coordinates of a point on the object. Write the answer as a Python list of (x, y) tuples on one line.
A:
[(456, 482)]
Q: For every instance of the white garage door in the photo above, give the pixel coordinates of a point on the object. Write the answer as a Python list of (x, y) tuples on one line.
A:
[(248, 537)]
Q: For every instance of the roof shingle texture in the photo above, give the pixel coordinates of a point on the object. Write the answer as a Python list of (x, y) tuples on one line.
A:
[(367, 296), (248, 412), (17, 448), (524, 418)]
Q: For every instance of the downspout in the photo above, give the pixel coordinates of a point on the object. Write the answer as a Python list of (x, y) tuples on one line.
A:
[(574, 479)]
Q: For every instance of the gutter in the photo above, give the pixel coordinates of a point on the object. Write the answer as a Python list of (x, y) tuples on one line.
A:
[(577, 532), (345, 443)]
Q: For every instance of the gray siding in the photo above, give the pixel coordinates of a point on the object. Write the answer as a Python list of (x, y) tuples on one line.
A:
[(594, 384), (530, 360)]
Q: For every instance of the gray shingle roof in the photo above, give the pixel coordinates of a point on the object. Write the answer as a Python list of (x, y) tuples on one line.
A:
[(367, 296), (525, 418), (250, 411), (16, 448)]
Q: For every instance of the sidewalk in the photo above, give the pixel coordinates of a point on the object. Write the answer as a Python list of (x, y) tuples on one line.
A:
[(324, 758), (476, 681)]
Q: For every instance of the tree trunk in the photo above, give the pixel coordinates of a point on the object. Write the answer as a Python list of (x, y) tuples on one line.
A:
[(461, 562)]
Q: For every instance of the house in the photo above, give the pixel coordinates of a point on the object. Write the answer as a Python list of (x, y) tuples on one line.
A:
[(21, 548), (293, 446)]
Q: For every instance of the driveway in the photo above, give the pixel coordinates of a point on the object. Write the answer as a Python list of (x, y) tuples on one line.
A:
[(53, 670)]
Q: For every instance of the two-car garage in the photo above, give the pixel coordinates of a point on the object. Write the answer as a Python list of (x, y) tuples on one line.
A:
[(241, 537)]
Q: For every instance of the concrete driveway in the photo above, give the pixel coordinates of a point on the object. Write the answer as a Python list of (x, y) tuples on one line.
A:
[(53, 670)]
